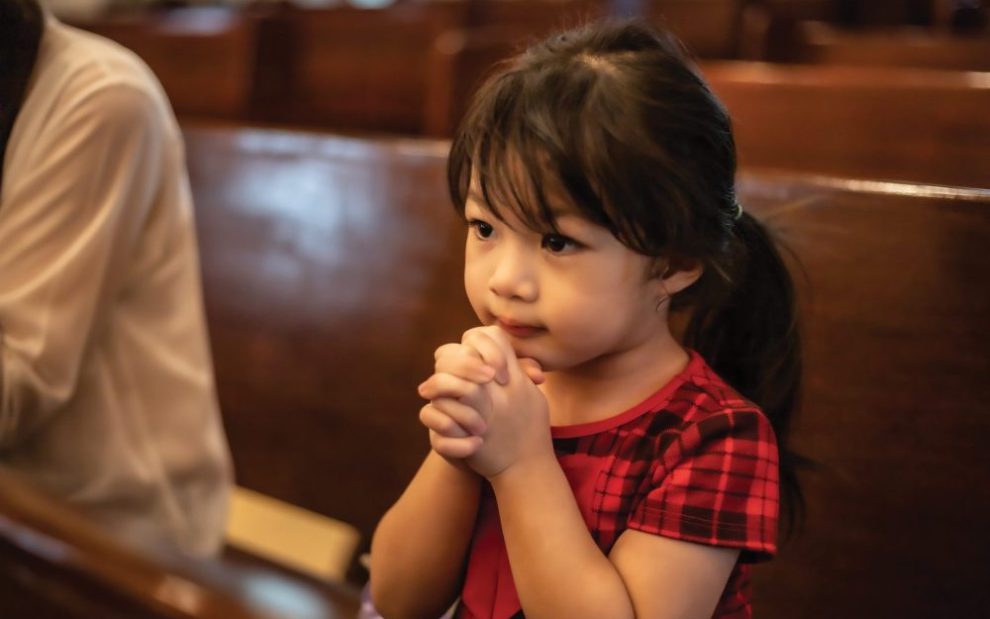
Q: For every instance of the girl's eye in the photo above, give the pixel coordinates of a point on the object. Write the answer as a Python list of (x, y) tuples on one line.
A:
[(558, 243), (482, 229)]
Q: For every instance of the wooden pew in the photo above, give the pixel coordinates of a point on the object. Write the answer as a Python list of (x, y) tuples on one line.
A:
[(530, 20), (771, 29), (333, 268), (709, 28), (54, 564), (895, 403), (461, 58), (203, 56), (360, 70), (912, 125), (923, 49)]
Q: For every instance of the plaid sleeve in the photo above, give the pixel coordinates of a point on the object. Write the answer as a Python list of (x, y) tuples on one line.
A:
[(716, 484)]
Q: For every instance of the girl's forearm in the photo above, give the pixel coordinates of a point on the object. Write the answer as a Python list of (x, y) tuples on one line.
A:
[(419, 547), (558, 569)]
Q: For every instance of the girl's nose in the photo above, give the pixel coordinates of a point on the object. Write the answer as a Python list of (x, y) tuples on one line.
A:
[(514, 276)]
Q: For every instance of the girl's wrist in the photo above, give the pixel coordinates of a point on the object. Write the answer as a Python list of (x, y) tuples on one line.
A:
[(456, 468), (525, 471)]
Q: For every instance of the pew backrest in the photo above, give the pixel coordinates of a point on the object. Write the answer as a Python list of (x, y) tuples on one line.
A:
[(203, 56), (362, 70), (894, 414), (871, 123), (912, 48), (333, 269)]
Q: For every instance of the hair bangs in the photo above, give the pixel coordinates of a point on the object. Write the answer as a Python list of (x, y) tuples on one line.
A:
[(534, 144), (514, 151)]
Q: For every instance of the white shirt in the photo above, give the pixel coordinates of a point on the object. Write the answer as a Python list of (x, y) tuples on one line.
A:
[(107, 396)]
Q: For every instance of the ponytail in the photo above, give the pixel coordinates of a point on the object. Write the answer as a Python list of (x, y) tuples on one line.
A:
[(21, 25), (751, 339)]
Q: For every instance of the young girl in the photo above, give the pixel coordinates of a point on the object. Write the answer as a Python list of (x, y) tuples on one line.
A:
[(587, 460)]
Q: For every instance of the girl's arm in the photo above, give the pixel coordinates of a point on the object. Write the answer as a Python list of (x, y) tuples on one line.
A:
[(559, 571), (419, 548), (557, 567)]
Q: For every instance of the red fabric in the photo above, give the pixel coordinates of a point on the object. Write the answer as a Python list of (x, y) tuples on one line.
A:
[(695, 461)]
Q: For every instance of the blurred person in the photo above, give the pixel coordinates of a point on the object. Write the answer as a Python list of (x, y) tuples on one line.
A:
[(107, 396)]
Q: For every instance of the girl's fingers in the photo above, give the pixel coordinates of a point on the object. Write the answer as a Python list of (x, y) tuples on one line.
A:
[(443, 385), (532, 369), (466, 417), (446, 349), (455, 447), (490, 350), (440, 423), (464, 362)]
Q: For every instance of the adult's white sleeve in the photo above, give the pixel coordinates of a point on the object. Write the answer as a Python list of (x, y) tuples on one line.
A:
[(68, 224)]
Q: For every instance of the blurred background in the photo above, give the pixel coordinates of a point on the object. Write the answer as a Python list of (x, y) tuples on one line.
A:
[(406, 66)]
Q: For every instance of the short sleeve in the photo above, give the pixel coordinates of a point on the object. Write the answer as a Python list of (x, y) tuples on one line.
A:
[(716, 484)]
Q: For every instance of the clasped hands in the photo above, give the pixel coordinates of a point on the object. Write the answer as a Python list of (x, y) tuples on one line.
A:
[(485, 409)]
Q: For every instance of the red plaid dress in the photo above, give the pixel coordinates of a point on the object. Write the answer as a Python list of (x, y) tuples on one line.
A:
[(695, 461)]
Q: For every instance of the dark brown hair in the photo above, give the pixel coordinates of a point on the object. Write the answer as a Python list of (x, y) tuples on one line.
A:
[(21, 25), (616, 116)]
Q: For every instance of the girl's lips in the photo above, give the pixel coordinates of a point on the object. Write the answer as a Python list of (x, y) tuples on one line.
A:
[(519, 330)]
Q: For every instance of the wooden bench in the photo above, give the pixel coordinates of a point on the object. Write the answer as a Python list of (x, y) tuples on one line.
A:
[(333, 268), (54, 564), (204, 56), (709, 28), (879, 123), (360, 70), (913, 125), (893, 47), (894, 409)]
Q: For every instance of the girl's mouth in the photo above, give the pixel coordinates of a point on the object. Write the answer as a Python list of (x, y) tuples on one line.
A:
[(518, 330)]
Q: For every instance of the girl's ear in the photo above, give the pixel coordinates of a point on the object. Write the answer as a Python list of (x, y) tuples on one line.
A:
[(674, 276)]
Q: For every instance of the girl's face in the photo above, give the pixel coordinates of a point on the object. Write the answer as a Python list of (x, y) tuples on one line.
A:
[(569, 300)]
